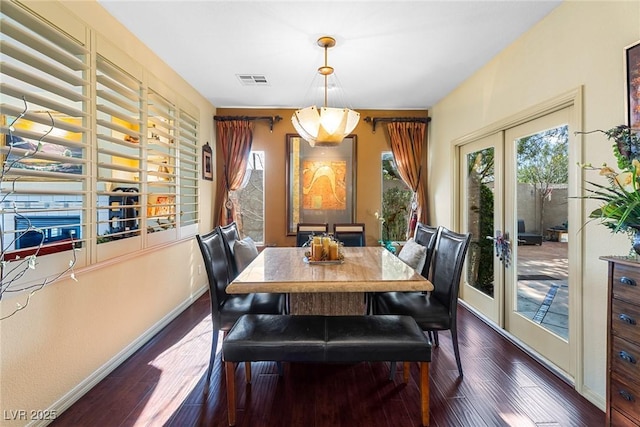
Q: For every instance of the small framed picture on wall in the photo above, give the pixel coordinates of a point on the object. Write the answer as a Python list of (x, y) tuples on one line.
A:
[(207, 162), (632, 68)]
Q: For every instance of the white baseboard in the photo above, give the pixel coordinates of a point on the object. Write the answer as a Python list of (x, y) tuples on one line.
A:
[(88, 383), (594, 398)]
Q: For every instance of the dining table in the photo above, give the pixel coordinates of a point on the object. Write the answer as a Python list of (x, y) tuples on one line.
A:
[(327, 287)]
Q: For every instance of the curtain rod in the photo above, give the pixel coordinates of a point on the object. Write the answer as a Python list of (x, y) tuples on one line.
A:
[(375, 120), (271, 119)]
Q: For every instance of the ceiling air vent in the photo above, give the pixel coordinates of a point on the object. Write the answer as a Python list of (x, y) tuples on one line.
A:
[(252, 80)]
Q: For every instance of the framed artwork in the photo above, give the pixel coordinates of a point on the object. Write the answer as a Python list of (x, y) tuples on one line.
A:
[(207, 164), (321, 182), (632, 65)]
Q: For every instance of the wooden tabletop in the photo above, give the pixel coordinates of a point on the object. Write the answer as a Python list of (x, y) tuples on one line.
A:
[(365, 269)]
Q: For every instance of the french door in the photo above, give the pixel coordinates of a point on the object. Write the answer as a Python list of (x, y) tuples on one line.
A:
[(514, 201)]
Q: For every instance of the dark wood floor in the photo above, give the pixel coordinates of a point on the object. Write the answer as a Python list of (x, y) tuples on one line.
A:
[(162, 385)]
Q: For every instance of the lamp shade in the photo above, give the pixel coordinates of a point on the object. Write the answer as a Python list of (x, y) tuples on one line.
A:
[(325, 127)]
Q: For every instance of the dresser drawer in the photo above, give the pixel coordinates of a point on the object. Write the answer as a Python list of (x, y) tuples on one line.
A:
[(625, 358), (619, 420), (625, 397), (625, 320), (626, 283)]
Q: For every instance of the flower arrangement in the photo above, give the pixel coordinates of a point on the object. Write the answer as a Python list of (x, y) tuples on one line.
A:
[(620, 199), (388, 244)]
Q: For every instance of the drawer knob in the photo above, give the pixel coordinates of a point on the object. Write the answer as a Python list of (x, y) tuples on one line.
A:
[(627, 357), (627, 281), (627, 319), (626, 395)]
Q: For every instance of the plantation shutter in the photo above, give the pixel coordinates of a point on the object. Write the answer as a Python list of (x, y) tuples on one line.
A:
[(188, 173), (161, 164), (45, 124), (119, 153)]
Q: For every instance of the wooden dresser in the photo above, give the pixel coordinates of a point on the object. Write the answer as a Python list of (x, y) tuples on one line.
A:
[(623, 342)]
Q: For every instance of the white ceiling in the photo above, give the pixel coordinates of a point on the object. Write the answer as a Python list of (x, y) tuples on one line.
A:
[(389, 54)]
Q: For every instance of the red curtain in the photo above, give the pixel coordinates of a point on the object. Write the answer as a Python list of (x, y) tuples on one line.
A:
[(407, 140), (234, 138)]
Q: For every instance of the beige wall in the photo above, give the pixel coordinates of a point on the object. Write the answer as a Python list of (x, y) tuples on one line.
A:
[(73, 332), (368, 168), (578, 44)]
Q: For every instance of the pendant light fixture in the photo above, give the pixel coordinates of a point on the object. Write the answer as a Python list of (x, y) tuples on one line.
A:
[(327, 126)]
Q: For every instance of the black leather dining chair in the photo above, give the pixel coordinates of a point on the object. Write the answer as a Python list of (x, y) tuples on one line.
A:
[(351, 234), (305, 230), (436, 310), (426, 235), (227, 308), (230, 234)]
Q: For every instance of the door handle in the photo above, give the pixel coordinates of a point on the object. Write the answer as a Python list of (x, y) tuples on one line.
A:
[(502, 247)]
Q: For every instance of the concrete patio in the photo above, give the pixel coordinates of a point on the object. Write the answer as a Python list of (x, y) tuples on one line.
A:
[(543, 285)]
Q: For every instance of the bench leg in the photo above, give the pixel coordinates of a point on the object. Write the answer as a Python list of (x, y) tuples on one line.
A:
[(231, 392), (406, 368), (392, 370), (247, 372), (424, 392)]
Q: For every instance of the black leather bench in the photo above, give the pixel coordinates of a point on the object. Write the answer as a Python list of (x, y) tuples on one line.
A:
[(283, 338)]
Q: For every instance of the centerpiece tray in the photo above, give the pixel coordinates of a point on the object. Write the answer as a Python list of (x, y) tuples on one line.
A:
[(327, 262)]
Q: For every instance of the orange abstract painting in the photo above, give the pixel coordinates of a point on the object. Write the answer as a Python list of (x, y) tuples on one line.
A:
[(324, 184)]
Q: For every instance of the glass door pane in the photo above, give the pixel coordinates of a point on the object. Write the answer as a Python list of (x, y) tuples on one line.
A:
[(481, 167), (480, 211), (541, 194)]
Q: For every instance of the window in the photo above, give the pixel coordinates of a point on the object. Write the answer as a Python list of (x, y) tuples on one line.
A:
[(396, 201), (249, 199), (119, 135), (93, 154), (188, 172), (45, 128), (161, 163)]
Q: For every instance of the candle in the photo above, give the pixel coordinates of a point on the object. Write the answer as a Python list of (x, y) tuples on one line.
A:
[(325, 245), (316, 252), (333, 251)]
